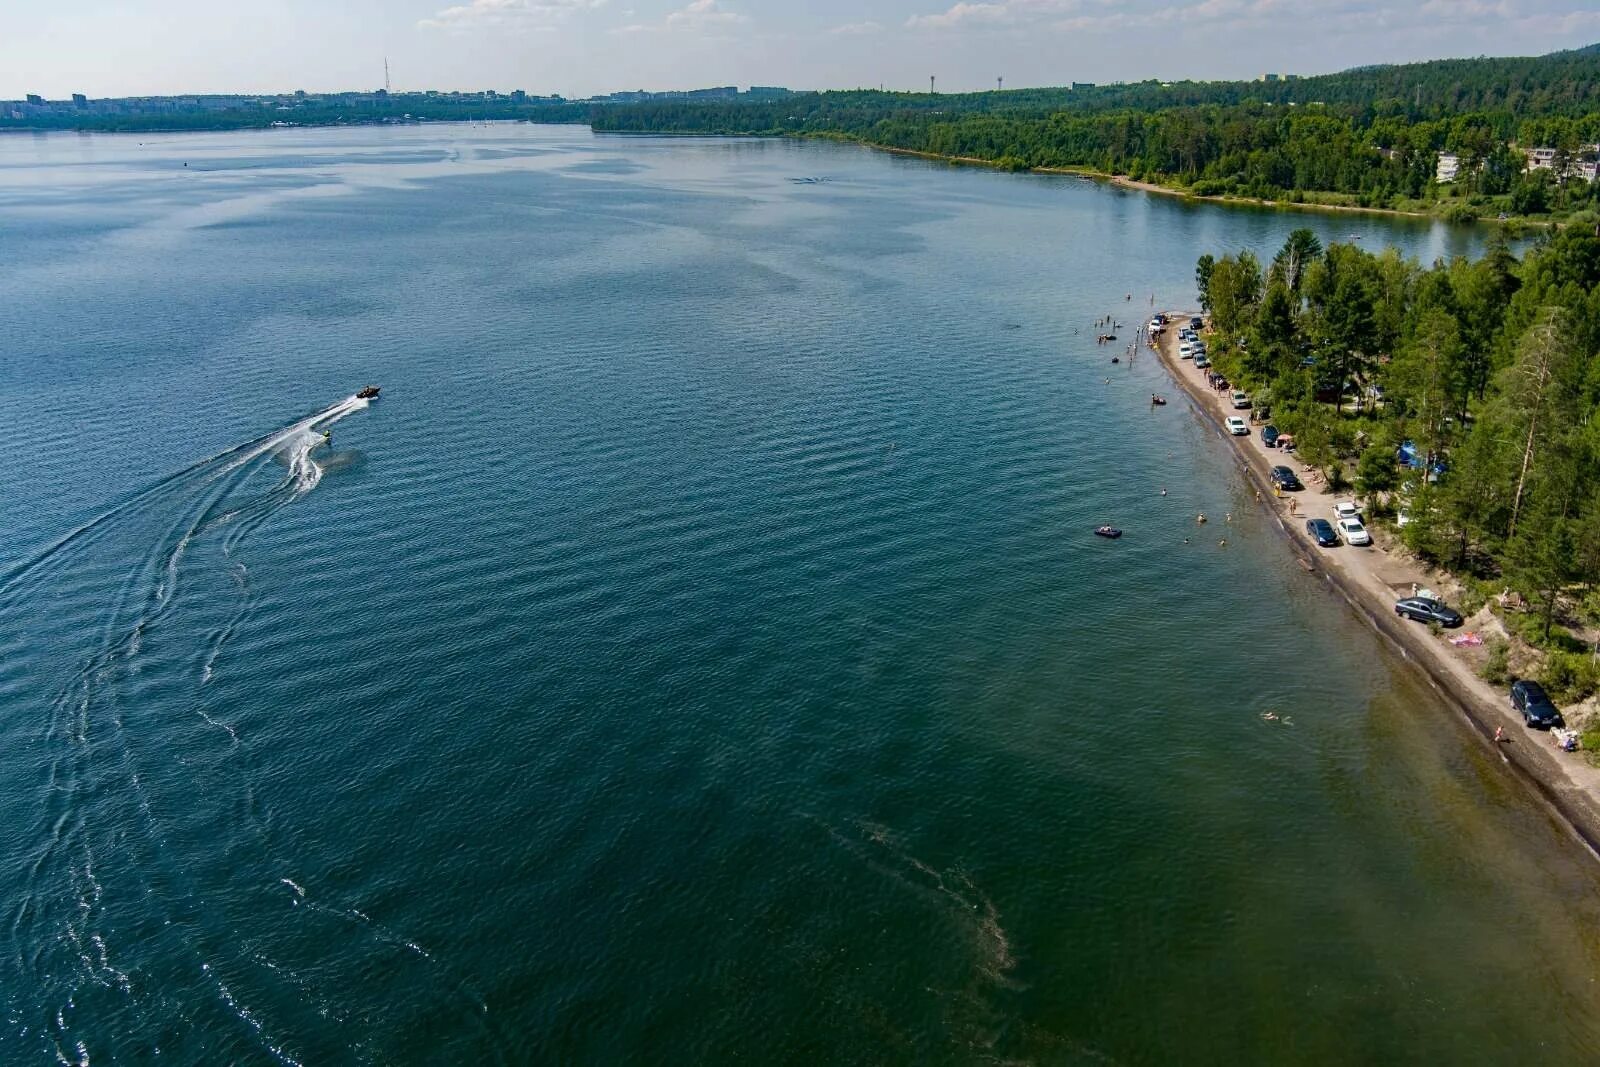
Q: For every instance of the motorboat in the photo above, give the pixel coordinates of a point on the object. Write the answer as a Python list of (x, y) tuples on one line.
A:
[(1107, 531), (1157, 400), (369, 393)]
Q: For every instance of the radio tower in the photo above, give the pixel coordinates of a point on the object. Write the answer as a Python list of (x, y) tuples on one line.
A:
[(386, 74)]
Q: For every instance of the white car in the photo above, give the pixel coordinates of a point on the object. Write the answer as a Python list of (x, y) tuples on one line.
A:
[(1238, 427), (1346, 509), (1186, 350), (1240, 398), (1354, 533)]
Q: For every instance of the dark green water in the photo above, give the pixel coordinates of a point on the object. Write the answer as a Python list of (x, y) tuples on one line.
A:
[(699, 654)]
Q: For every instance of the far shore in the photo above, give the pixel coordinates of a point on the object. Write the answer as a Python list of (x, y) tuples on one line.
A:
[(1124, 182), (1370, 579)]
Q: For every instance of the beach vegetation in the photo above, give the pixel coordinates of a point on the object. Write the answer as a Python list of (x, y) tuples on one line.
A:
[(1465, 393), (1496, 669)]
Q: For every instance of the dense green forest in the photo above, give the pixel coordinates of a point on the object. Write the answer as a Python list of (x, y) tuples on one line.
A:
[(1367, 137), (1487, 372)]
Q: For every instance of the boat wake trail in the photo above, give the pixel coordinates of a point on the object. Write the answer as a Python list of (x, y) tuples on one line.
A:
[(112, 921)]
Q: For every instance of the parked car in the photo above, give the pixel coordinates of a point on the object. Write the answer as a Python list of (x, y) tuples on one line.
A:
[(1269, 436), (1426, 609), (1346, 509), (1202, 362), (1196, 323), (1237, 426), (1535, 706), (1354, 533), (1186, 351), (1321, 531), (1285, 479), (1240, 399)]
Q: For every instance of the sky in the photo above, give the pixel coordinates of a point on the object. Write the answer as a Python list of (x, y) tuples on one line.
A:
[(583, 47)]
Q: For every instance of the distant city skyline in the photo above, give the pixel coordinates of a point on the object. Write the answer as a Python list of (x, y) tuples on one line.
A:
[(580, 48)]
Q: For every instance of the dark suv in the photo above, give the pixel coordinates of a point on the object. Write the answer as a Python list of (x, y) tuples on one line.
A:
[(1321, 531), (1426, 609), (1285, 479), (1269, 436), (1529, 699)]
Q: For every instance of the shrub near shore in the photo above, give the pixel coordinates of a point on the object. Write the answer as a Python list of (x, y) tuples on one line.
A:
[(1463, 397)]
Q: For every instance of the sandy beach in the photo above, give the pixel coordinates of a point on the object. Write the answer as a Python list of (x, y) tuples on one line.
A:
[(1370, 579)]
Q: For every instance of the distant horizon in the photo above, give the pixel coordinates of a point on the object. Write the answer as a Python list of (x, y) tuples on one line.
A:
[(584, 48), (742, 86)]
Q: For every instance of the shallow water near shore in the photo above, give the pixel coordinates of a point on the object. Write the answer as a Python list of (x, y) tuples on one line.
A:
[(700, 652)]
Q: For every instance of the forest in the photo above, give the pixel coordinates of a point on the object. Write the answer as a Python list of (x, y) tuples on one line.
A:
[(1459, 398), (1365, 138)]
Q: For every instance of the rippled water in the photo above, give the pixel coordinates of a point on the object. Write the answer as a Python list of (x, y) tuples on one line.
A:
[(699, 652)]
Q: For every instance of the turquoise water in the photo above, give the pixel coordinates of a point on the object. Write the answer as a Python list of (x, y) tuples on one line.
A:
[(699, 653)]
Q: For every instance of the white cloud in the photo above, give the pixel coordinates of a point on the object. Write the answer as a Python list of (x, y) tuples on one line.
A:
[(1466, 9), (996, 13), (1122, 14), (524, 14), (702, 13), (698, 15), (857, 29)]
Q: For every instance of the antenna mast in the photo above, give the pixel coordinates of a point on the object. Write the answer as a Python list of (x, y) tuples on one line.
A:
[(385, 74)]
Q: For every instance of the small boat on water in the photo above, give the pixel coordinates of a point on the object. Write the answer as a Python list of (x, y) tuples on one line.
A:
[(1107, 531), (1157, 400), (369, 393)]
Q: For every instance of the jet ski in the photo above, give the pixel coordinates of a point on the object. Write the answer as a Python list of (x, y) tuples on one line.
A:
[(369, 393)]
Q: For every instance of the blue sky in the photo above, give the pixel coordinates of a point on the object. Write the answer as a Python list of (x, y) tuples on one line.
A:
[(579, 47)]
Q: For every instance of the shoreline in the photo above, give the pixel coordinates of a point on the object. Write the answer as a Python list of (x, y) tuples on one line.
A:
[(1368, 584), (1122, 181)]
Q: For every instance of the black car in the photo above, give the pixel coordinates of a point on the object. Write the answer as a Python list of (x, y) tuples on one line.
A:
[(1285, 479), (1530, 699), (1269, 435), (1196, 323), (1321, 531), (1426, 609)]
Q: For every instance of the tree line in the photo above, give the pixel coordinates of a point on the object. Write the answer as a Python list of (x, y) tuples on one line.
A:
[(140, 118), (1465, 395), (1367, 137)]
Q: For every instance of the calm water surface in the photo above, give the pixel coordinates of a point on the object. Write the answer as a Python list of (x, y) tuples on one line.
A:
[(699, 653)]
